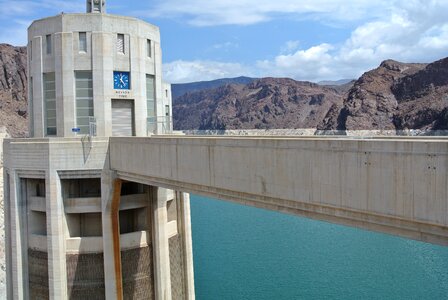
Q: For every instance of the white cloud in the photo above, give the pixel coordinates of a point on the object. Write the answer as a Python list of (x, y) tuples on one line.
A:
[(180, 71), (310, 64), (243, 12), (225, 45), (289, 46)]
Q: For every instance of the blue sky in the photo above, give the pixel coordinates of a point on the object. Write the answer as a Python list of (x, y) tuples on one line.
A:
[(305, 40)]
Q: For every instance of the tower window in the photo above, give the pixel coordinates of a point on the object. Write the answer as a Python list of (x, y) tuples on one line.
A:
[(150, 96), (120, 43), (148, 48), (30, 107), (48, 42), (96, 6), (84, 100), (31, 50), (82, 42), (50, 103), (167, 110), (151, 104)]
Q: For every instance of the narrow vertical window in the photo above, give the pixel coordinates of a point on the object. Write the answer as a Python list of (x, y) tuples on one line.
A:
[(120, 43), (30, 107), (167, 110), (150, 105), (48, 42), (83, 42), (31, 50), (148, 48), (50, 103), (96, 6), (84, 100), (167, 119), (150, 96), (166, 93)]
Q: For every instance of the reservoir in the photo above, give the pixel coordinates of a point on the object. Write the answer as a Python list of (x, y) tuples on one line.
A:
[(247, 253)]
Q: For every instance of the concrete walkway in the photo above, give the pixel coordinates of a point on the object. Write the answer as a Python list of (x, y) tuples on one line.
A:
[(392, 185)]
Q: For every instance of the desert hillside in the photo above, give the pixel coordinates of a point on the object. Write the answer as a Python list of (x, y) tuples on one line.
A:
[(13, 89), (394, 96)]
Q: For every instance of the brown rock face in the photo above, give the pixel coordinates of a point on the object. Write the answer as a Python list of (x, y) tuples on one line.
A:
[(396, 96), (262, 104), (13, 89)]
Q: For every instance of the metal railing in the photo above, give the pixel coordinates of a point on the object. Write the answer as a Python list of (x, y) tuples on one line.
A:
[(92, 126), (87, 139), (159, 125)]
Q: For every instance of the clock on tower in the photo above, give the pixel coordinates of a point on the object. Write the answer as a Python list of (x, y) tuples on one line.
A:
[(121, 80)]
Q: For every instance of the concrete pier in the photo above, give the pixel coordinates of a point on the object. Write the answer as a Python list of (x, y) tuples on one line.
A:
[(78, 230)]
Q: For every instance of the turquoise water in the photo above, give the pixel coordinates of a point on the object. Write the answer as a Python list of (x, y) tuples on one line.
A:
[(247, 253)]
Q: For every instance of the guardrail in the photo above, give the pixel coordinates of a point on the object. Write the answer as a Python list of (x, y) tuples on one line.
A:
[(159, 125)]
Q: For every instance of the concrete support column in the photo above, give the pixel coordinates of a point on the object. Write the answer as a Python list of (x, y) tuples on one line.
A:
[(162, 276), (138, 75), (103, 49), (66, 94), (8, 243), (110, 204), (16, 236), (57, 270), (187, 244), (158, 84)]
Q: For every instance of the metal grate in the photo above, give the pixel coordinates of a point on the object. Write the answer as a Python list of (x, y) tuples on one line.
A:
[(120, 43)]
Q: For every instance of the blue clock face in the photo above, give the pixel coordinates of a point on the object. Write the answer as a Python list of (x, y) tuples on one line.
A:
[(121, 80)]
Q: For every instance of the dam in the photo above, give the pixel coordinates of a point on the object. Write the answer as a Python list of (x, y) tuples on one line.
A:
[(97, 198), (391, 185)]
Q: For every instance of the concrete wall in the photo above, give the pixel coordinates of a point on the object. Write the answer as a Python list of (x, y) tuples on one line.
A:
[(395, 185)]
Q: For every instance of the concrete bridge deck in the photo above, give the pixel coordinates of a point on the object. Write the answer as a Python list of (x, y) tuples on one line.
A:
[(392, 185)]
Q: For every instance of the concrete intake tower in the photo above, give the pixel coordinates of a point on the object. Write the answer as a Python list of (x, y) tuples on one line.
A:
[(73, 229)]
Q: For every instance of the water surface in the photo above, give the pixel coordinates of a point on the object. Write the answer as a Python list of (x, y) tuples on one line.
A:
[(247, 253)]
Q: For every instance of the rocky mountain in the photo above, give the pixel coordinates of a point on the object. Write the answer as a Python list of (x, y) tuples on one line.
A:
[(262, 104), (179, 89), (13, 89), (395, 96)]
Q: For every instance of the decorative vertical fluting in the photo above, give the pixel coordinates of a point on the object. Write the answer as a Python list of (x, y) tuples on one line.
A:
[(160, 242), (57, 275), (16, 210), (187, 244)]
